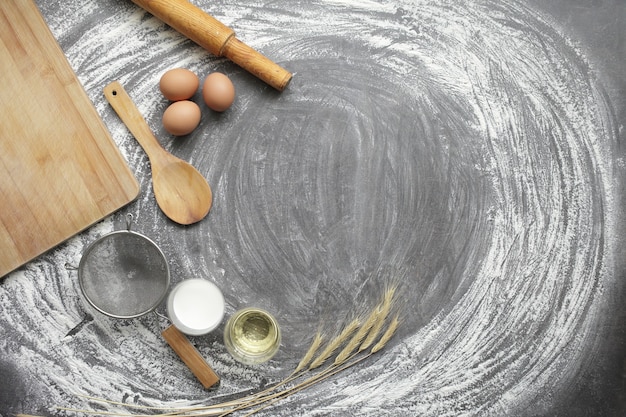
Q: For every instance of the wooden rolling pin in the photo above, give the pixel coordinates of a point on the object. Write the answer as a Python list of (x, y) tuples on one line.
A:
[(216, 37)]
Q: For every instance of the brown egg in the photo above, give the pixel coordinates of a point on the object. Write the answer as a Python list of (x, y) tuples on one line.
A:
[(218, 91), (179, 84), (181, 118)]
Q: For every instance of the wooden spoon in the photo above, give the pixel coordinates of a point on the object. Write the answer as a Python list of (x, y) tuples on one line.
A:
[(181, 192)]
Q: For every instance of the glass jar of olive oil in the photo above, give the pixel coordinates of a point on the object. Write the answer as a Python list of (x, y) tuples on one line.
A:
[(252, 336)]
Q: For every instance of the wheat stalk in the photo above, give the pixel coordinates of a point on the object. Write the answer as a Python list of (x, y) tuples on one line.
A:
[(357, 336), (326, 353), (331, 370), (315, 344), (259, 397), (370, 329)]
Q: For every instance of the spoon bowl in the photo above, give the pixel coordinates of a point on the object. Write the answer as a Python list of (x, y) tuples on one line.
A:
[(182, 183)]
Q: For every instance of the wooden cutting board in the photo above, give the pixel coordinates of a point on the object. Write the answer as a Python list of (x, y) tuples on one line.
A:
[(60, 171)]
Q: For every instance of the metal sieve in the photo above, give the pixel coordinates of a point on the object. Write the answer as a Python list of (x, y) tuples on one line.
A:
[(124, 274)]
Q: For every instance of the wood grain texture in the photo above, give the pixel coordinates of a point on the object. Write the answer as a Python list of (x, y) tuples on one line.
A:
[(60, 171), (217, 38), (190, 355)]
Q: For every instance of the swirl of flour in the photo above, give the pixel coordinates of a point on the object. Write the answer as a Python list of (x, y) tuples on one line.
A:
[(509, 103), (457, 147)]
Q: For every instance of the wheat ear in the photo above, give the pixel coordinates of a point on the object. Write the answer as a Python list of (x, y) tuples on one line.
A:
[(355, 341), (393, 326), (385, 308), (334, 344), (308, 356)]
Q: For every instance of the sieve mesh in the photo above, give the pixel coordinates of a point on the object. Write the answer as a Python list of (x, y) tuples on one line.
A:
[(124, 274)]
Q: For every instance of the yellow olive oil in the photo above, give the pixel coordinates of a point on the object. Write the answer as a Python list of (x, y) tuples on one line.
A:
[(252, 336)]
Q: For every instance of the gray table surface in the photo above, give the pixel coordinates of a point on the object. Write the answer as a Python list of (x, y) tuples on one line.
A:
[(470, 151)]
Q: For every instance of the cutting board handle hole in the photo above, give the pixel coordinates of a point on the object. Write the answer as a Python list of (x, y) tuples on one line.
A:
[(114, 92)]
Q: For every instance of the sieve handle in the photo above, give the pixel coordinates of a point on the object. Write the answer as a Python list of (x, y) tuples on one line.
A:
[(190, 356)]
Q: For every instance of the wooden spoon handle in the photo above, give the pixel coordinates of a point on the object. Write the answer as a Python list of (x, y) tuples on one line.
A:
[(134, 121), (216, 37), (190, 355)]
